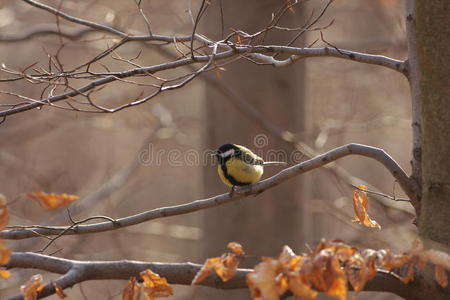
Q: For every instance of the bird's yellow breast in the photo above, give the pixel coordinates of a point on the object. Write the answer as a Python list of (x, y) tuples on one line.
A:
[(240, 171)]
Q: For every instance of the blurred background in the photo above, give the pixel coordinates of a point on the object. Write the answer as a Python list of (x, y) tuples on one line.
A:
[(153, 155)]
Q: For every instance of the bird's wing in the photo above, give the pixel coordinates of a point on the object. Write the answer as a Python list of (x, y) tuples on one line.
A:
[(249, 157)]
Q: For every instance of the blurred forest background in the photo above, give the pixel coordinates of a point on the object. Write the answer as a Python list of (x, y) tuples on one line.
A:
[(124, 163)]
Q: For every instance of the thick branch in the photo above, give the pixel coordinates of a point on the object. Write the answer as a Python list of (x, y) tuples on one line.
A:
[(356, 149), (176, 273), (379, 60)]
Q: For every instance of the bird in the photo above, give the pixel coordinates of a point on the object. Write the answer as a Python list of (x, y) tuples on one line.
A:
[(239, 166)]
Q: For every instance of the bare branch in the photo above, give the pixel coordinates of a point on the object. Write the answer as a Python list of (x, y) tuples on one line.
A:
[(111, 30), (253, 52), (46, 29), (351, 149)]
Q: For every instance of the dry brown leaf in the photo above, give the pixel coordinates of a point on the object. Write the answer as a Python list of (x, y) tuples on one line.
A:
[(155, 286), (357, 272), (227, 266), (5, 274), (132, 291), (263, 280), (390, 261), (59, 291), (224, 266), (286, 255), (206, 270), (31, 289), (327, 274), (361, 207), (300, 289), (5, 253), (370, 258), (236, 248), (4, 216), (52, 201), (440, 275), (338, 287)]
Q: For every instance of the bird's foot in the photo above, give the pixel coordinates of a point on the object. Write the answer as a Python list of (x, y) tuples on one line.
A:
[(232, 191)]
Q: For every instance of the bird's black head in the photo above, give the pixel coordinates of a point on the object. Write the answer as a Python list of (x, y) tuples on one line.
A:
[(226, 152)]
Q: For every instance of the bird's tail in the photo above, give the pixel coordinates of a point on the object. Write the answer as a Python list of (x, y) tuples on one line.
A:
[(275, 163)]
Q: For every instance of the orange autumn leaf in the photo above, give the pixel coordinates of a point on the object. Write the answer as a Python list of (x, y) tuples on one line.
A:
[(338, 286), (31, 289), (4, 216), (155, 286), (132, 291), (236, 248), (357, 272), (389, 260), (206, 270), (295, 281), (59, 291), (370, 259), (227, 266), (300, 289), (224, 266), (327, 275), (52, 201), (5, 274), (440, 276), (361, 207), (5, 253), (263, 280), (286, 256)]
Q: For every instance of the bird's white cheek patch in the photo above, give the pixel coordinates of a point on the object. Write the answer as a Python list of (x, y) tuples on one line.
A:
[(227, 153)]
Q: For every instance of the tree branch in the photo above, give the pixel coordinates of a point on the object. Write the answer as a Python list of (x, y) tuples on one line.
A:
[(351, 149), (76, 271), (299, 53), (46, 29), (114, 31), (229, 50), (249, 51)]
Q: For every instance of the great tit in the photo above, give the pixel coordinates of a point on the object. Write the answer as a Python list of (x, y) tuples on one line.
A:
[(239, 166)]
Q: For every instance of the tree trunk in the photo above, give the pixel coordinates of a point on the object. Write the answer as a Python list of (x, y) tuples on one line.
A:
[(433, 40), (429, 40)]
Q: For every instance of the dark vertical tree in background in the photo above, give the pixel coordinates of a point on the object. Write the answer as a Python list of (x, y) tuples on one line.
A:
[(277, 219)]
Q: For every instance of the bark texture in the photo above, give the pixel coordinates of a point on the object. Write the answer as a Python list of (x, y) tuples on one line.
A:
[(432, 28), (433, 40)]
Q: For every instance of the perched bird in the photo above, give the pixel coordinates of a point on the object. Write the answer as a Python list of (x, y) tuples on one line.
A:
[(239, 166)]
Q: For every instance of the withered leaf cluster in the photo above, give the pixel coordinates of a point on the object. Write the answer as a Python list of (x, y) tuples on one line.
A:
[(332, 267), (225, 266), (154, 286)]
